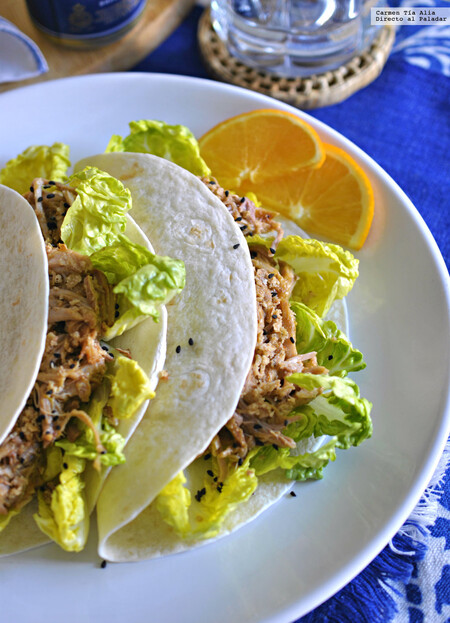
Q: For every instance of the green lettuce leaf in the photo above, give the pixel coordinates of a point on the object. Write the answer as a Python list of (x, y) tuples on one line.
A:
[(50, 162), (64, 518), (98, 214), (326, 271), (333, 348), (172, 142), (143, 281), (339, 410), (297, 466)]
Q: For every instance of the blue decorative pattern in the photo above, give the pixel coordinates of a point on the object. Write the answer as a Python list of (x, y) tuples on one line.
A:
[(424, 46)]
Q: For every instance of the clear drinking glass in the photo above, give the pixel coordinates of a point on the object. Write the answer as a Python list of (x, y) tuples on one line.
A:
[(294, 37)]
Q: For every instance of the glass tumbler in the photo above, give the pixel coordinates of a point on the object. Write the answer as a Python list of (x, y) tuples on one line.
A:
[(294, 37)]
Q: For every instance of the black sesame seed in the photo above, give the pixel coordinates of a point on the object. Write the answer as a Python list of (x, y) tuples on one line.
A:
[(40, 418), (57, 427), (66, 205), (178, 348), (50, 195), (274, 294), (65, 466), (52, 182), (219, 487), (49, 392), (235, 246), (281, 382), (257, 426), (31, 189), (116, 305), (264, 332), (272, 250), (242, 227), (258, 442), (210, 472), (274, 445), (116, 313), (286, 422), (227, 192), (198, 496), (57, 355), (207, 456), (104, 563), (46, 186), (293, 494), (216, 479), (40, 199), (270, 275), (21, 459), (55, 417), (72, 366), (105, 347), (274, 316), (211, 182), (191, 342), (253, 254), (250, 233), (52, 225), (292, 340), (330, 357), (240, 461), (242, 199), (239, 218), (22, 436)]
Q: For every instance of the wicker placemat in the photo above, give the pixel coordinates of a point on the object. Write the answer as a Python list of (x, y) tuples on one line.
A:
[(314, 91)]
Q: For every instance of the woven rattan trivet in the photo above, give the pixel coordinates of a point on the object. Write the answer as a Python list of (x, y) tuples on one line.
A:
[(315, 91)]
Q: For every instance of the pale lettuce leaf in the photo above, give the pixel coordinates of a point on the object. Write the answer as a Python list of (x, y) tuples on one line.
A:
[(50, 162), (142, 280), (65, 519), (172, 142), (98, 214), (334, 350)]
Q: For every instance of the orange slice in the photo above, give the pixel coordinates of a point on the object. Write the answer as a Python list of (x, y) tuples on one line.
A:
[(334, 201), (259, 145)]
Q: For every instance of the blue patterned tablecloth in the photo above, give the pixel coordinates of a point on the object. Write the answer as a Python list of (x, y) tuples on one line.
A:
[(402, 120)]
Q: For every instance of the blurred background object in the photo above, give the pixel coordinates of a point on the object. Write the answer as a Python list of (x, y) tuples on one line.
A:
[(157, 21), (294, 37), (90, 23)]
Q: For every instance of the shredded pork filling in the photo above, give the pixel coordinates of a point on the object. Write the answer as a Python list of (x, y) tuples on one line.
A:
[(268, 398), (81, 306)]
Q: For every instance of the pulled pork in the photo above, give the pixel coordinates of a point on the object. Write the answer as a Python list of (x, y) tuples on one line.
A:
[(267, 399), (81, 306), (250, 219)]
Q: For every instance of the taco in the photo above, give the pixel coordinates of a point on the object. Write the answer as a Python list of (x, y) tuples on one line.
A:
[(96, 344), (288, 413)]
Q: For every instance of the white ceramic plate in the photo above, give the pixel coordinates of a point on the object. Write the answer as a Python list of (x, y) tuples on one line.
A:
[(303, 549)]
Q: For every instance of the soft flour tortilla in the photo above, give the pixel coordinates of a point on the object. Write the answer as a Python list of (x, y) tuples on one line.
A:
[(147, 343), (24, 304), (183, 418), (217, 310)]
